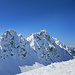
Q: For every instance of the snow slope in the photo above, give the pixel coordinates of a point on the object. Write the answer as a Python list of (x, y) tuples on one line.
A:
[(62, 68), (11, 66)]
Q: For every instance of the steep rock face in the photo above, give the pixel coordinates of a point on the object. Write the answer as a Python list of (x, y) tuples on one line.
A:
[(48, 49)]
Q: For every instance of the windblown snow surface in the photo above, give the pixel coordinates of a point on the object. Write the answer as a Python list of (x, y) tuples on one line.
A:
[(62, 68), (18, 55)]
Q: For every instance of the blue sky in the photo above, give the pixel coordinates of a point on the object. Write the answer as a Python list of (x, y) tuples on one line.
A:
[(30, 16)]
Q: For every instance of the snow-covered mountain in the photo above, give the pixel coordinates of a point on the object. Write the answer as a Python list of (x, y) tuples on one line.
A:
[(48, 49), (16, 52), (13, 45)]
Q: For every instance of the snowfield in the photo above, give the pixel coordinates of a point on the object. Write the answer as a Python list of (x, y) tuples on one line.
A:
[(60, 68)]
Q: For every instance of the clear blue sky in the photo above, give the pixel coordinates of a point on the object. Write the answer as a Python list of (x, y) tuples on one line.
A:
[(30, 16)]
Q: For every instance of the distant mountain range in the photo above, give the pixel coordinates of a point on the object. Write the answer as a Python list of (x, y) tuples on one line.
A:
[(71, 50), (71, 46)]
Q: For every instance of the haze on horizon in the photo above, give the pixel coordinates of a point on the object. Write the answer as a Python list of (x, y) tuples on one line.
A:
[(31, 16)]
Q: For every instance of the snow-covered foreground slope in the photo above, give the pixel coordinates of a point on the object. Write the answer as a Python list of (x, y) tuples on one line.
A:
[(62, 68), (11, 66)]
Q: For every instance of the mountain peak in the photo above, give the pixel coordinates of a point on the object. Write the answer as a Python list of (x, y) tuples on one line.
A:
[(41, 34), (9, 32), (44, 32)]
